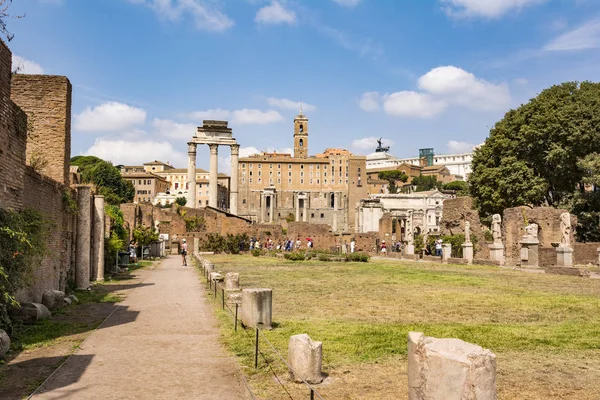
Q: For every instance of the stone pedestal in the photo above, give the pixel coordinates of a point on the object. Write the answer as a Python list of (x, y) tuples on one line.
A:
[(98, 239), (530, 252), (196, 245), (410, 248), (256, 308), (467, 249), (306, 358), (232, 281), (497, 252), (84, 238), (449, 369), (564, 257), (446, 252)]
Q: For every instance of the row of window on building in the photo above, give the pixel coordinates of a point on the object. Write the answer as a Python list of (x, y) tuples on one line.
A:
[(310, 166), (310, 181)]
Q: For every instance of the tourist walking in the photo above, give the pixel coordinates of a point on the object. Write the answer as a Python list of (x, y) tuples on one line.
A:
[(438, 247), (184, 252), (352, 246), (383, 248)]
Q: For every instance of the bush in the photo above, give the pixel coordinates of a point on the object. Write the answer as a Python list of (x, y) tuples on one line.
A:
[(324, 257), (256, 252), (357, 257), (300, 256), (229, 244), (456, 241)]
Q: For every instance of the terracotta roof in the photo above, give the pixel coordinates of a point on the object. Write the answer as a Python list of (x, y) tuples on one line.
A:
[(182, 170), (142, 175)]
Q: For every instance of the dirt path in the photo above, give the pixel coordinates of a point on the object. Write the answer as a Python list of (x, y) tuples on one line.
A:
[(160, 343)]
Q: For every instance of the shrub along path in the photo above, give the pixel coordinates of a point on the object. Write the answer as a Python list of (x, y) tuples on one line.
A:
[(160, 343)]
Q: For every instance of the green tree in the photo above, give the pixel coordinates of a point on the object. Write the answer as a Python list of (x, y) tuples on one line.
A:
[(424, 183), (144, 235), (460, 187), (392, 177), (181, 201), (538, 155), (106, 177)]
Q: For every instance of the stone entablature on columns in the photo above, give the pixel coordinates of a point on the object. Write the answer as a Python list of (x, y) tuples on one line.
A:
[(215, 134)]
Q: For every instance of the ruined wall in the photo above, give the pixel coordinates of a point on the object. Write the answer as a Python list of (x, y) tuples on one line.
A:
[(13, 138), (586, 253), (46, 196), (546, 257), (47, 102), (456, 212), (514, 221)]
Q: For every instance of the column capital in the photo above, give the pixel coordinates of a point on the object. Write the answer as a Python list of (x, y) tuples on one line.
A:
[(214, 148), (192, 148), (235, 149)]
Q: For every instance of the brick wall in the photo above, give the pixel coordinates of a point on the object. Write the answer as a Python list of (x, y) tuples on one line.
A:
[(456, 212), (47, 102), (586, 253), (13, 137), (515, 219), (46, 196)]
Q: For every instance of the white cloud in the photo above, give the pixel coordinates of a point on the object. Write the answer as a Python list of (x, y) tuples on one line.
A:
[(369, 144), (522, 81), (455, 147), (412, 104), (248, 151), (135, 152), (347, 3), (370, 101), (205, 16), (244, 116), (172, 129), (225, 159), (109, 117), (286, 104), (585, 37), (24, 66), (215, 114), (248, 116), (275, 13), (457, 86), (484, 8)]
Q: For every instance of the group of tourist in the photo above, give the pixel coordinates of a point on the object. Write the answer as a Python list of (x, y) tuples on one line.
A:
[(285, 245)]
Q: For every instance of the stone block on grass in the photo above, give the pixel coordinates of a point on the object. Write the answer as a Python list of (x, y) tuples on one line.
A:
[(4, 343), (305, 356), (257, 308), (232, 281), (53, 299), (449, 369), (30, 313)]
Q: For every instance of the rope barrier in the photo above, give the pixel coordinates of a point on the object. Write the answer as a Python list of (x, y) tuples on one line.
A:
[(313, 391)]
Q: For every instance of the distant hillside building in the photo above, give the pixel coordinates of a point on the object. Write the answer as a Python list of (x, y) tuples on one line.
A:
[(325, 188)]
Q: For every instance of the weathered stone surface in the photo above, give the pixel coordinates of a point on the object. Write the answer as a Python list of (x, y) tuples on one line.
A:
[(234, 297), (4, 343), (468, 252), (564, 256), (446, 252), (53, 299), (73, 298), (232, 281), (67, 301), (216, 277), (257, 308), (449, 369), (583, 272), (31, 313), (305, 356)]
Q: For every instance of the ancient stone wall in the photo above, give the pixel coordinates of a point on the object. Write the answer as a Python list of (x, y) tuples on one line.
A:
[(546, 257), (47, 102), (456, 212), (516, 219), (586, 253), (13, 138), (45, 195)]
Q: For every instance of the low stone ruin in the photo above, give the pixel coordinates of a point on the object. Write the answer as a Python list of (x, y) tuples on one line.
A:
[(4, 343), (449, 369), (53, 299), (305, 356), (257, 308), (30, 313)]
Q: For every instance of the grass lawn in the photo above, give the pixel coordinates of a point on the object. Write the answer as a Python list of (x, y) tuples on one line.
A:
[(544, 329)]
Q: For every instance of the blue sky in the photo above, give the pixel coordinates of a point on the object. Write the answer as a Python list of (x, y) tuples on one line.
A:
[(420, 73)]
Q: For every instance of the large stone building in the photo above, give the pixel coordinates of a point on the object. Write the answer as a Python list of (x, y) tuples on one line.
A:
[(146, 184), (325, 188), (176, 180), (459, 165)]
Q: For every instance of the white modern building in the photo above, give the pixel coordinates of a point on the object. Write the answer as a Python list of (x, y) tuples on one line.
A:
[(457, 164)]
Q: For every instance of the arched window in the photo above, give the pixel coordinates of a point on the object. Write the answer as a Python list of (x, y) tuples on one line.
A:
[(301, 142), (301, 128)]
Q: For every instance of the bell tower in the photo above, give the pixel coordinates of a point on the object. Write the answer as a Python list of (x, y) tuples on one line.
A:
[(301, 136)]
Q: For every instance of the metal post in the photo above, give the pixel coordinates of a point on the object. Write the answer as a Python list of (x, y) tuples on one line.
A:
[(236, 315), (215, 289), (223, 297), (312, 394), (256, 351)]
